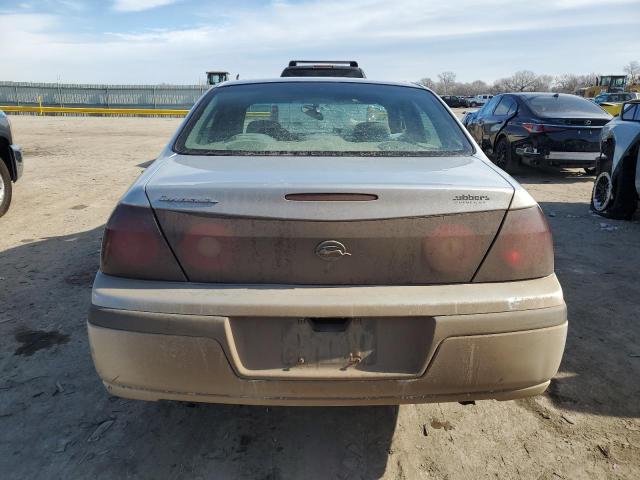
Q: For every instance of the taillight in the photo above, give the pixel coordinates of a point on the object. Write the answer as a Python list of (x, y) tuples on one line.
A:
[(454, 248), (206, 247), (134, 247), (522, 250), (540, 128)]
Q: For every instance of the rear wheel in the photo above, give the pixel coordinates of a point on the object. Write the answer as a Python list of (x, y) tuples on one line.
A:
[(613, 195), (602, 193), (5, 188), (503, 156)]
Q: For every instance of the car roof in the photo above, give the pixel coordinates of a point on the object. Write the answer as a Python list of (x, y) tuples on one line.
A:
[(318, 79)]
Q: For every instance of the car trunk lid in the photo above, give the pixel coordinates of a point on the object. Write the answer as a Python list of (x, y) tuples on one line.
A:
[(569, 134), (329, 220)]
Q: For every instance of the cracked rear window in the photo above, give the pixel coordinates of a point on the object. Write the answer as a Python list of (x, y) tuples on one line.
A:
[(321, 118)]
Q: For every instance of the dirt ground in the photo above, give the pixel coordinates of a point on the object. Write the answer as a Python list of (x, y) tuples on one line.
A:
[(57, 421)]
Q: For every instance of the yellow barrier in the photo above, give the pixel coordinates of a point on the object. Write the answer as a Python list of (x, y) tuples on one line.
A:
[(107, 111)]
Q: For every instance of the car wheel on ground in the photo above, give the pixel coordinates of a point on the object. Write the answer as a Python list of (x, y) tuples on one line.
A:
[(612, 195), (5, 188), (504, 158)]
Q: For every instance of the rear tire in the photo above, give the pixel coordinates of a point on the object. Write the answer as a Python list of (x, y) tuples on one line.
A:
[(504, 158), (5, 188), (613, 194)]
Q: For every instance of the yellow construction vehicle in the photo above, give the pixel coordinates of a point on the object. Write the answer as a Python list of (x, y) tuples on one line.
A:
[(606, 84), (215, 77)]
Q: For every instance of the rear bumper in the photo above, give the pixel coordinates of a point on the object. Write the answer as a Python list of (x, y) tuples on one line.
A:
[(559, 159), (507, 353)]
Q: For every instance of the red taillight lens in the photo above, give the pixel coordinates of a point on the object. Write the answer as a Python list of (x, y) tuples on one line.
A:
[(206, 247), (540, 128), (522, 250), (454, 248), (533, 127), (134, 247)]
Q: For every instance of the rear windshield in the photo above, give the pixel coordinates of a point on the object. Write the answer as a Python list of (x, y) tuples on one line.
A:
[(321, 118), (563, 106)]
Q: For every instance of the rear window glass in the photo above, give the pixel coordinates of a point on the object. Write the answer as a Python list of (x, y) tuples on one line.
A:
[(562, 105), (322, 118)]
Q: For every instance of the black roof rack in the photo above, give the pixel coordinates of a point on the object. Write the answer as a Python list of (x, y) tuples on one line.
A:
[(351, 63)]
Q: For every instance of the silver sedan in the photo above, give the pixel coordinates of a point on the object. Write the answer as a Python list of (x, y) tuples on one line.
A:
[(315, 241)]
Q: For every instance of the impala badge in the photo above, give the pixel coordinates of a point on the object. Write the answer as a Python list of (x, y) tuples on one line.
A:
[(331, 250), (189, 200)]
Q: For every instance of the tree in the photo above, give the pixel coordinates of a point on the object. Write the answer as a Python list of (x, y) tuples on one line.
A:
[(447, 80), (570, 83), (521, 81), (478, 87), (427, 82), (542, 83), (566, 83), (632, 69)]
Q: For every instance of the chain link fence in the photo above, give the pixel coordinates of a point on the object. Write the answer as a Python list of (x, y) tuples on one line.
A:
[(104, 96)]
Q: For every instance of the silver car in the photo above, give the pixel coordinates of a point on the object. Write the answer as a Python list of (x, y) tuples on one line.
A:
[(616, 188), (315, 241)]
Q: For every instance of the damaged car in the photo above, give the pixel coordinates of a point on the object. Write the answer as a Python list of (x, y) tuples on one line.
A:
[(539, 129), (617, 184), (323, 255)]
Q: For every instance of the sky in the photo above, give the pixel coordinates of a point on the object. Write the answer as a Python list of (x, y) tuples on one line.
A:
[(176, 41)]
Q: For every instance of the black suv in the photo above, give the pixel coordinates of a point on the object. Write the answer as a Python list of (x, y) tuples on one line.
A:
[(323, 68), (452, 100)]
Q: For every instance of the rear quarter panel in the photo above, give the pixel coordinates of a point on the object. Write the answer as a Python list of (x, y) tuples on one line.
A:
[(625, 136)]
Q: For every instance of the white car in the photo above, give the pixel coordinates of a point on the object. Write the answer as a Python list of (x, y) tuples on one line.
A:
[(479, 100), (616, 189)]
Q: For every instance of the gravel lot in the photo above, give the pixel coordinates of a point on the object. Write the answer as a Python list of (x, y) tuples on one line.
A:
[(56, 420)]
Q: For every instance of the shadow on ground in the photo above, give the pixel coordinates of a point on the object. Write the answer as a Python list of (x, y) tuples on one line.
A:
[(60, 420), (539, 175), (597, 264)]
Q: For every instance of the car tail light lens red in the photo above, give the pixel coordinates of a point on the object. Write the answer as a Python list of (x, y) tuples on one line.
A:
[(455, 248), (206, 247), (134, 247), (540, 128), (522, 250)]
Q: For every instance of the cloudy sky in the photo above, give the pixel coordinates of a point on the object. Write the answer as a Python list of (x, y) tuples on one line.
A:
[(175, 41)]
